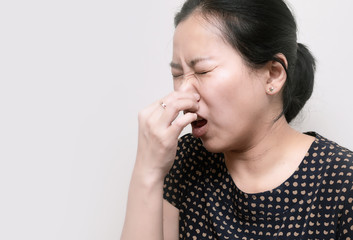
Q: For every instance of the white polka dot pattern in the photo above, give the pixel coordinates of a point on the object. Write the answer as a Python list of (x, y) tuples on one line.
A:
[(316, 202)]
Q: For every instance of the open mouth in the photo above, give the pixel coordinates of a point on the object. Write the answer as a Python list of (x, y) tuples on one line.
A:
[(199, 123), (199, 127)]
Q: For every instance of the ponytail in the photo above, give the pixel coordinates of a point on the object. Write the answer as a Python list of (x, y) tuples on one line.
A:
[(300, 84)]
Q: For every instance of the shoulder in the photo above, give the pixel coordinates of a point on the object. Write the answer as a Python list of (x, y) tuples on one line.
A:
[(334, 152), (337, 160)]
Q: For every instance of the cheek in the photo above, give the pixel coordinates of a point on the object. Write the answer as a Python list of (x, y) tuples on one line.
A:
[(221, 104), (176, 84), (228, 92), (229, 103)]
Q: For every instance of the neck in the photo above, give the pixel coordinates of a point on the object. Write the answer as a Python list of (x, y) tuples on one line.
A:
[(270, 159)]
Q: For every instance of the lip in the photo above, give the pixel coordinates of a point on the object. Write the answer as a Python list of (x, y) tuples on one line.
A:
[(199, 127)]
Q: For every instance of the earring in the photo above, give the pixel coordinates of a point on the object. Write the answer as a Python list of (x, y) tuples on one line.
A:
[(270, 90)]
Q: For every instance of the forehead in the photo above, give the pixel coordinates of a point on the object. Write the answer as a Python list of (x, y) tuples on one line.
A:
[(197, 33), (198, 19)]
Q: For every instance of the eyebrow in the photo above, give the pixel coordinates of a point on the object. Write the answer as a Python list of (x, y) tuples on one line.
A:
[(192, 63)]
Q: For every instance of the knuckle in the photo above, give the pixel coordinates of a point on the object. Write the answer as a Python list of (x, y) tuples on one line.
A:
[(173, 106), (149, 122)]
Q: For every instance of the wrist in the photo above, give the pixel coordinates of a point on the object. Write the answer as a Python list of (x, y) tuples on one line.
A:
[(148, 178)]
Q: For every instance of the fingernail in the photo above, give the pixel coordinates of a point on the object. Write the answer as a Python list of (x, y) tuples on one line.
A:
[(197, 96)]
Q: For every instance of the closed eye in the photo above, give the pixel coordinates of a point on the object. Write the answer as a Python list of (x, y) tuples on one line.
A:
[(201, 72), (177, 76)]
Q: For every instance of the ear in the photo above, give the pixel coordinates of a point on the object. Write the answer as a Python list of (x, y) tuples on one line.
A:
[(277, 74)]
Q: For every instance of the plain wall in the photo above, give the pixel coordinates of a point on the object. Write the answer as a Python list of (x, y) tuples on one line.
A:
[(73, 76)]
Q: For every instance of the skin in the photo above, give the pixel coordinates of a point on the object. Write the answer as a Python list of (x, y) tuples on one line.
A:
[(211, 81), (235, 116)]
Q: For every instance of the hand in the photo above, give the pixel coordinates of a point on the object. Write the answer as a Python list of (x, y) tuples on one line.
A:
[(159, 129)]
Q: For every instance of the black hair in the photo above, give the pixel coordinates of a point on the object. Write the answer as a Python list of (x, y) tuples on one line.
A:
[(259, 30)]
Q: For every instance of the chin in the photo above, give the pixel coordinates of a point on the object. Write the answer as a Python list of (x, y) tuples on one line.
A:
[(212, 145)]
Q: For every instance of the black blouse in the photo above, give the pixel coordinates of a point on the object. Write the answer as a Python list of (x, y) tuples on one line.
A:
[(316, 202)]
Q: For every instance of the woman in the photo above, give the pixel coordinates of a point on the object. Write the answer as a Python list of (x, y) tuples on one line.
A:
[(239, 77)]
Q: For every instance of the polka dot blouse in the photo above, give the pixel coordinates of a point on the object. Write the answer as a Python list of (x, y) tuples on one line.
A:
[(316, 202)]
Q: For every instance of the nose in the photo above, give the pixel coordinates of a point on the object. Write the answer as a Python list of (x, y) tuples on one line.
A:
[(187, 83)]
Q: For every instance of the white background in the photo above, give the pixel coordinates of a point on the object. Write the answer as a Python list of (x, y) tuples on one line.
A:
[(73, 76)]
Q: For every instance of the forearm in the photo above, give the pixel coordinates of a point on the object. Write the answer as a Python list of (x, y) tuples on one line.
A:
[(159, 128), (144, 213)]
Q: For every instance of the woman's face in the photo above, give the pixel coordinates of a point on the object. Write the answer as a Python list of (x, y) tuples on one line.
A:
[(233, 105)]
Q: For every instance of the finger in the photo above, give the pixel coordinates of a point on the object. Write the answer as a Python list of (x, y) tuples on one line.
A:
[(171, 112), (163, 112), (148, 112), (177, 95), (171, 102), (181, 122)]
